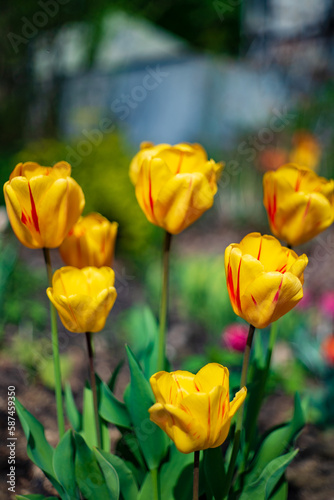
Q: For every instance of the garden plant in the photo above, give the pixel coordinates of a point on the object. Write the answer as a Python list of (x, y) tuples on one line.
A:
[(183, 435)]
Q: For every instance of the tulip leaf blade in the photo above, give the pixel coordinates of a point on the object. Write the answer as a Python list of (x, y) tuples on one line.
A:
[(214, 470), (146, 492), (127, 482), (281, 490), (153, 441), (63, 464), (34, 497), (38, 448), (72, 411), (111, 409), (277, 442), (110, 475), (264, 484), (89, 476), (179, 469), (88, 418)]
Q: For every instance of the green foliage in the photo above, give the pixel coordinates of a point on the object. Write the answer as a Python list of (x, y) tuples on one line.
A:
[(201, 291), (153, 441)]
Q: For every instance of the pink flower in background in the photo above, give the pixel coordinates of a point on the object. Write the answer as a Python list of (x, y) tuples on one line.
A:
[(327, 304), (327, 349), (235, 337)]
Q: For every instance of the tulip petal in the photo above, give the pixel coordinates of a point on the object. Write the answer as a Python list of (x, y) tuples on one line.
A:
[(237, 401), (153, 175), (182, 200), (211, 376), (266, 249), (59, 209), (184, 158), (303, 217), (269, 297), (23, 225), (147, 151)]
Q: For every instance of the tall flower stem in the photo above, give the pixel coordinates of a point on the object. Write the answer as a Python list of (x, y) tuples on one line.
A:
[(238, 427), (155, 484), (196, 475), (93, 385), (260, 393), (164, 303), (55, 350)]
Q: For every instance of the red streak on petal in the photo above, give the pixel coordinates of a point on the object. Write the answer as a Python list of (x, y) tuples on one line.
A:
[(230, 284), (277, 293), (307, 208), (150, 188), (258, 257), (24, 219), (254, 300), (283, 269), (33, 210), (180, 163), (238, 288)]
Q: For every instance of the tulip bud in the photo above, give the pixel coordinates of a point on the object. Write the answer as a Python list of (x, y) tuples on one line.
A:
[(174, 184), (42, 203), (83, 297), (195, 410), (264, 279), (299, 203), (91, 242)]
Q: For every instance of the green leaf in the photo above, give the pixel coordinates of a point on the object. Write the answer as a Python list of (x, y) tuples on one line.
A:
[(277, 442), (214, 470), (105, 436), (88, 418), (153, 441), (143, 329), (73, 413), (128, 485), (172, 471), (89, 476), (110, 475), (38, 449), (111, 409), (113, 378), (63, 464), (280, 492), (147, 490), (34, 497), (265, 483)]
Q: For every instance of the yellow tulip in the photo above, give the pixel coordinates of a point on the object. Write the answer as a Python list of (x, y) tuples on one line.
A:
[(91, 242), (174, 184), (299, 203), (42, 203), (306, 151), (264, 279), (194, 410), (83, 297)]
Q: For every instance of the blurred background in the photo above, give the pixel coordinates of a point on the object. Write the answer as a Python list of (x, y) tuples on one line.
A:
[(86, 82)]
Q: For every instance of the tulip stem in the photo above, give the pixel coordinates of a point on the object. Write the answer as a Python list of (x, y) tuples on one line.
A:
[(155, 484), (196, 475), (260, 395), (55, 350), (238, 426), (93, 385), (164, 304)]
